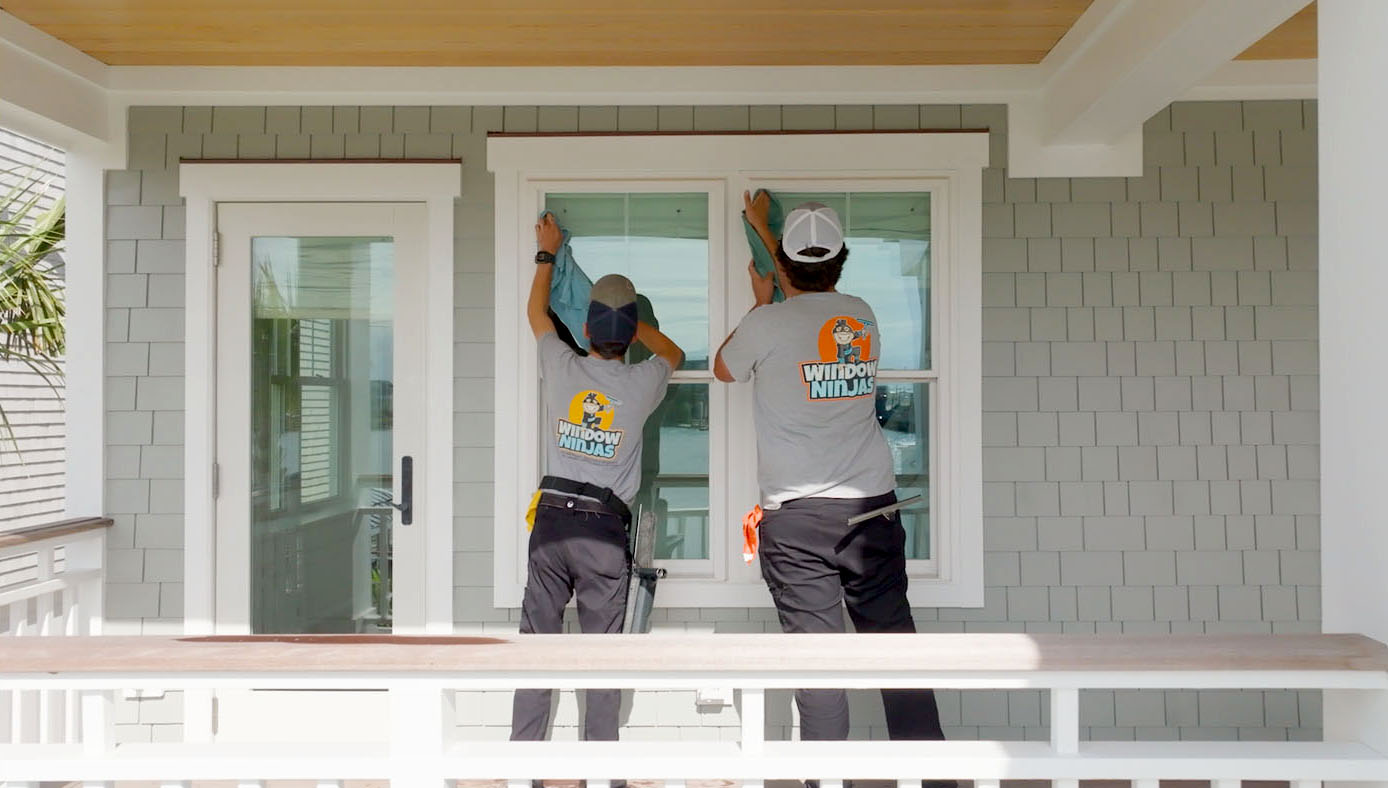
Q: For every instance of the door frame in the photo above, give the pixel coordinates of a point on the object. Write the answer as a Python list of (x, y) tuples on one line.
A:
[(436, 184)]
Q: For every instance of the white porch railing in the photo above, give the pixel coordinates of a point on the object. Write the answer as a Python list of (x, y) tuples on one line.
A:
[(420, 674), (50, 584)]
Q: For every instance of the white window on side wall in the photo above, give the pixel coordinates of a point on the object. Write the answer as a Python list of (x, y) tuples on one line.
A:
[(665, 211)]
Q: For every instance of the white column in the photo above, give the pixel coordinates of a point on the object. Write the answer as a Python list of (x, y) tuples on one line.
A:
[(1353, 286), (85, 367)]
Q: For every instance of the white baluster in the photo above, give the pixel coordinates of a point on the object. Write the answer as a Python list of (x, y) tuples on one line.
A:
[(419, 718), (1146, 783), (44, 607), (1306, 784), (1065, 721), (1226, 783), (97, 722), (23, 714), (329, 784), (753, 713)]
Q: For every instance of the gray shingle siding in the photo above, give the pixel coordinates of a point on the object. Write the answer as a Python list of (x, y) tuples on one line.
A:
[(1149, 402)]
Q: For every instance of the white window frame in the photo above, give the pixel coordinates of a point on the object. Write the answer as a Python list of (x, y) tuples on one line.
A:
[(949, 165), (435, 184)]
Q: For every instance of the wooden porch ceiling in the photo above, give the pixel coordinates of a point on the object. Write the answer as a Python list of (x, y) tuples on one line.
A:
[(559, 33)]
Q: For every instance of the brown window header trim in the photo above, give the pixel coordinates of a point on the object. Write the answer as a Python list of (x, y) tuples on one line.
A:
[(319, 161), (737, 133)]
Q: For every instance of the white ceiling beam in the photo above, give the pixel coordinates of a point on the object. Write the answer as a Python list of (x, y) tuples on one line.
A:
[(1122, 62), (1146, 54), (50, 90)]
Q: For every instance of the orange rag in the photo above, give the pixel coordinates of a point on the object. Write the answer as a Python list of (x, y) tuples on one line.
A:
[(750, 523)]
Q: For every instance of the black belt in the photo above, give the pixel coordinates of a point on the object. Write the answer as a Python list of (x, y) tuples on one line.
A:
[(602, 495)]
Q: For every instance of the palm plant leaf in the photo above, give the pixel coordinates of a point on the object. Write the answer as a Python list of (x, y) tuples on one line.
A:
[(31, 284)]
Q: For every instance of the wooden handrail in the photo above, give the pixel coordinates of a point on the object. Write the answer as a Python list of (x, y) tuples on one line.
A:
[(942, 654), (39, 533)]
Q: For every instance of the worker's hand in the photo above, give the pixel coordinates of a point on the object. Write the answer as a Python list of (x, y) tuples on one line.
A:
[(548, 236), (756, 209), (763, 287)]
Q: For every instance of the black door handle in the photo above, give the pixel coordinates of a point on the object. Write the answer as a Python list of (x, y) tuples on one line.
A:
[(406, 505)]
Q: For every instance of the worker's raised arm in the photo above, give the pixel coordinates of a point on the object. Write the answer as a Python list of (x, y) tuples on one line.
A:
[(548, 238), (659, 344)]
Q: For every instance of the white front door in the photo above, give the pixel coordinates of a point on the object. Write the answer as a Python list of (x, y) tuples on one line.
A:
[(320, 427)]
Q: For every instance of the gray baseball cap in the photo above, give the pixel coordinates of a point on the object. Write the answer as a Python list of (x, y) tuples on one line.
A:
[(612, 310)]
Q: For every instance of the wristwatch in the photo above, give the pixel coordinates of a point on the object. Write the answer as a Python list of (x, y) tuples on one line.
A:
[(542, 257)]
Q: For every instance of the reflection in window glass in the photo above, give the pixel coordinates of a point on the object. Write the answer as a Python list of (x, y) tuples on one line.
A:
[(888, 236), (321, 379), (903, 410), (674, 472), (660, 242)]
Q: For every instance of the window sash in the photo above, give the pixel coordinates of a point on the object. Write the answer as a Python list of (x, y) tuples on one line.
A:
[(712, 568)]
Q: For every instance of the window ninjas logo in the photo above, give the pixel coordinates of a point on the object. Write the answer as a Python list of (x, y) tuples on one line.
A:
[(588, 430), (846, 368)]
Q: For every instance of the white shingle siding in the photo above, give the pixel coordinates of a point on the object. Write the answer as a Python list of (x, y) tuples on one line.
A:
[(1150, 393)]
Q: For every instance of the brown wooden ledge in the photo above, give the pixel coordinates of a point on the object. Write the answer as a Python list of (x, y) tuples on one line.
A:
[(38, 533)]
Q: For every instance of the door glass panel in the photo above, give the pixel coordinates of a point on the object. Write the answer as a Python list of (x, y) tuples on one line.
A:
[(888, 237), (321, 433), (903, 410)]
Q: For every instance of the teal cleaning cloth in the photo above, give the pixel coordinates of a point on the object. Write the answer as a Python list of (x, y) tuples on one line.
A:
[(761, 256), (569, 290)]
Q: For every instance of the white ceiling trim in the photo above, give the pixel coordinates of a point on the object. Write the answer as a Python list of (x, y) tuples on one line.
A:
[(1121, 63), (577, 86), (66, 97)]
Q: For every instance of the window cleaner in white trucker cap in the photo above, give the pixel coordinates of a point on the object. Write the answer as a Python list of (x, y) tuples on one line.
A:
[(822, 459)]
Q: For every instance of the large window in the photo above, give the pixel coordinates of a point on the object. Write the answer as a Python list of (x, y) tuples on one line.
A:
[(666, 213)]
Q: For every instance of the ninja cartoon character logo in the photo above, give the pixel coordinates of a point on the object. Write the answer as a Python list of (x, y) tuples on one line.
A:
[(845, 368), (588, 428)]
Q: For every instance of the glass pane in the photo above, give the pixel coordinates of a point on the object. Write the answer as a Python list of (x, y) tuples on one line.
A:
[(888, 235), (674, 472), (321, 430), (903, 410), (660, 242)]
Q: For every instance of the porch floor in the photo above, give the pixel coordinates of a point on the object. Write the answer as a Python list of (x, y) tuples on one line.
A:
[(688, 784)]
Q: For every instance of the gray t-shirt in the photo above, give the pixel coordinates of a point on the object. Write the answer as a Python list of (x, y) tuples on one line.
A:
[(813, 363), (595, 410)]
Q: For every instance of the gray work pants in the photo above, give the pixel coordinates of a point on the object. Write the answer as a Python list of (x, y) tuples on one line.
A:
[(813, 562), (573, 552)]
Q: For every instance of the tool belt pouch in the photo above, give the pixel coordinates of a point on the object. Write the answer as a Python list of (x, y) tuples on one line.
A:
[(603, 495)]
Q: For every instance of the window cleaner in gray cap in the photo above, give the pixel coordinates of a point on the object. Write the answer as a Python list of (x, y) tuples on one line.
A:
[(826, 530), (595, 407)]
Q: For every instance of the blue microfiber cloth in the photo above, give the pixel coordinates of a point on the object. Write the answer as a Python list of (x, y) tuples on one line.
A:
[(762, 257), (570, 290)]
